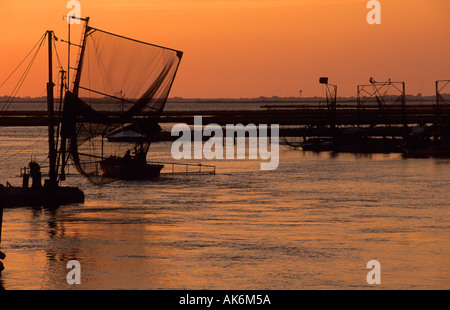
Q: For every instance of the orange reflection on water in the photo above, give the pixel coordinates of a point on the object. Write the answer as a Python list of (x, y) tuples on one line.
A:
[(313, 223)]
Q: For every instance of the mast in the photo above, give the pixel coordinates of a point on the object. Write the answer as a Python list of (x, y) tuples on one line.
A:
[(76, 83), (68, 51), (69, 43), (51, 114), (62, 176), (64, 157)]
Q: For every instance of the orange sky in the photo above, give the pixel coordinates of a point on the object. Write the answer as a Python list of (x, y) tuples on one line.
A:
[(252, 48)]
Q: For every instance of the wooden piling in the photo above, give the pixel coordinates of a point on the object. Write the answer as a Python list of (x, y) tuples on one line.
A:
[(1, 225), (2, 255)]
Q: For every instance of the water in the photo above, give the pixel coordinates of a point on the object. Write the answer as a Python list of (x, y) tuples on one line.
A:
[(313, 223)]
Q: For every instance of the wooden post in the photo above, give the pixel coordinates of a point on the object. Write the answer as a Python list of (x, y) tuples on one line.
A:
[(437, 102), (1, 224), (2, 255)]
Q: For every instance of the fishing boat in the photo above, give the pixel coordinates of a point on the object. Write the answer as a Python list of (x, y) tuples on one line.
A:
[(424, 142), (111, 71), (132, 166), (51, 193), (129, 77)]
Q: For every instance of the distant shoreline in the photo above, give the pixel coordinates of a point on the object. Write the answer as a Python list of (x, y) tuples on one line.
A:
[(273, 99)]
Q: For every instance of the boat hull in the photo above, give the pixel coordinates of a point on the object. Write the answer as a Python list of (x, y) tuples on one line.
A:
[(437, 151), (119, 169), (357, 146), (11, 197)]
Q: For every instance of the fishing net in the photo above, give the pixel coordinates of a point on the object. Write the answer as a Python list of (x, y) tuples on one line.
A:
[(119, 93)]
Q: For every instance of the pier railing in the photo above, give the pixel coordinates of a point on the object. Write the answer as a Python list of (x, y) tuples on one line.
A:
[(182, 168)]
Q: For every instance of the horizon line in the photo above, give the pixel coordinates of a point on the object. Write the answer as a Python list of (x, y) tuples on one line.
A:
[(237, 98)]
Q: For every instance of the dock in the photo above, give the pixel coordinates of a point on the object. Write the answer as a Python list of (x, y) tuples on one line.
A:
[(295, 119)]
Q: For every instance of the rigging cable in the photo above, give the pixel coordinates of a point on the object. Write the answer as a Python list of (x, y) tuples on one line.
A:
[(23, 60), (23, 77)]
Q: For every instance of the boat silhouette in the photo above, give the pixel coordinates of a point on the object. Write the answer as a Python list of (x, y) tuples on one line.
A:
[(51, 193)]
